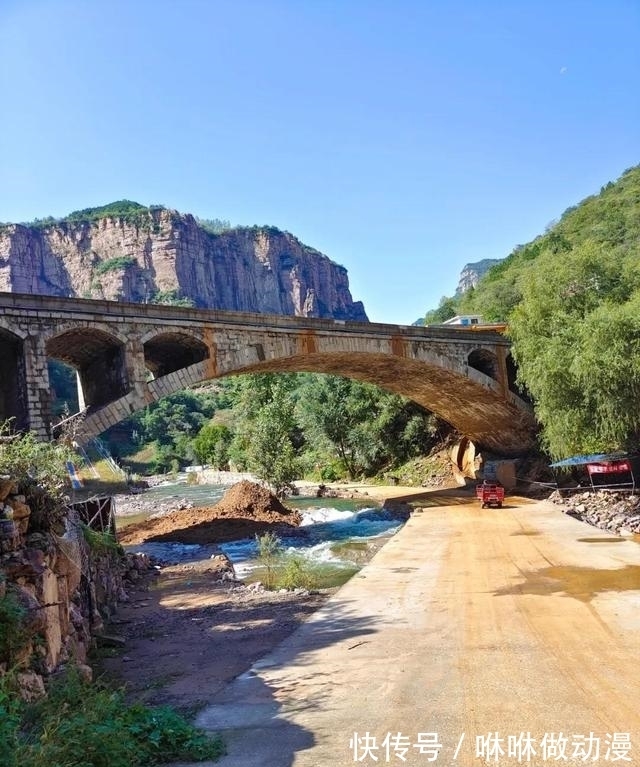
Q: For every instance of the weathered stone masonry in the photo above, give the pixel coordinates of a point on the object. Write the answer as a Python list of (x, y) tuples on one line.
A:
[(65, 588), (129, 355)]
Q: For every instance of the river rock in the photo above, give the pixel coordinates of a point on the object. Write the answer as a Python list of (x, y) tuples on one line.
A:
[(613, 512), (7, 487)]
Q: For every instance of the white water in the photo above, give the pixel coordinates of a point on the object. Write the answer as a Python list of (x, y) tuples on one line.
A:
[(322, 528)]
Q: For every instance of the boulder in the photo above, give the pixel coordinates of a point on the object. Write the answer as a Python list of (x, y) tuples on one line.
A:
[(20, 508), (30, 686), (7, 487)]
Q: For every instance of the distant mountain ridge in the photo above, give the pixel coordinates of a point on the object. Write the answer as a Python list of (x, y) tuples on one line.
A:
[(125, 251), (470, 276)]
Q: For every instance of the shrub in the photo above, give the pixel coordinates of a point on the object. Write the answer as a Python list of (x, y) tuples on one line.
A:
[(9, 722), (171, 298), (114, 264), (90, 725), (269, 554), (26, 459), (101, 543), (40, 470), (296, 573), (214, 225)]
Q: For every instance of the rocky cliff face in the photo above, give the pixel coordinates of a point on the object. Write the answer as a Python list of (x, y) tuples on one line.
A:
[(471, 274), (158, 255)]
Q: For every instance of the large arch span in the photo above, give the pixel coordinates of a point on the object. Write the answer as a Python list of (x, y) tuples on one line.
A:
[(130, 355)]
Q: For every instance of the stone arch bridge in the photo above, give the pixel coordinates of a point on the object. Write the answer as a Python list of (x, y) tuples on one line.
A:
[(130, 355)]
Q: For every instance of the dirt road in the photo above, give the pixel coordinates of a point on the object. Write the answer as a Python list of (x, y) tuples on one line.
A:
[(468, 624)]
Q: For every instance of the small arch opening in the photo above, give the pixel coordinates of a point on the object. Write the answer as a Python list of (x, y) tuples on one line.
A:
[(99, 361), (168, 352), (514, 386), (485, 362)]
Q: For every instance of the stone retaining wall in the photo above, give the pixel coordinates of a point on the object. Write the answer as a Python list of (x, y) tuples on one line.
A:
[(65, 587)]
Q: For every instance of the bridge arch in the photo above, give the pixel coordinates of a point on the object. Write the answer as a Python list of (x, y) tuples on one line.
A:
[(167, 352), (471, 401), (13, 404), (98, 358), (485, 362)]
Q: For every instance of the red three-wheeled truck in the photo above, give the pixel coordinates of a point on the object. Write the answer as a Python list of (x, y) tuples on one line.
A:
[(491, 493)]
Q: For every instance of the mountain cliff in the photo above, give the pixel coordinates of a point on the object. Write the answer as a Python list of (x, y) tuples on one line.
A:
[(472, 273), (127, 252)]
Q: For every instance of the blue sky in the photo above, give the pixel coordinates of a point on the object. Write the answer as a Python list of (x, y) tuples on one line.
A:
[(402, 138)]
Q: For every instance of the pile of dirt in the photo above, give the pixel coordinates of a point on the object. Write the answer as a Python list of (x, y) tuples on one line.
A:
[(247, 509), (247, 499)]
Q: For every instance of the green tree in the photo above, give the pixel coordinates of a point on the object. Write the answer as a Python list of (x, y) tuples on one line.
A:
[(447, 308), (271, 453), (576, 341), (211, 445), (366, 428), (171, 298), (170, 425), (267, 439)]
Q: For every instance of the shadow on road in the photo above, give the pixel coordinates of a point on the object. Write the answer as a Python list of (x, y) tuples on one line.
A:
[(253, 718)]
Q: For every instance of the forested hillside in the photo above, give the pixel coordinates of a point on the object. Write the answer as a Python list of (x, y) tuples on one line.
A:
[(572, 301)]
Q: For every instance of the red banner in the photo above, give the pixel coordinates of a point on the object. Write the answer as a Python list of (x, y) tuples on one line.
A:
[(615, 467)]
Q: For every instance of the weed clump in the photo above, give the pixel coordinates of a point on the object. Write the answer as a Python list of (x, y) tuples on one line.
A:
[(13, 634), (87, 724), (284, 570)]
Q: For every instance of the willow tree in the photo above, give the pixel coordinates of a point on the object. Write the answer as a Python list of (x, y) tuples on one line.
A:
[(576, 336)]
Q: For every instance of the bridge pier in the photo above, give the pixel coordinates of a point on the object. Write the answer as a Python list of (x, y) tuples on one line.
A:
[(37, 387), (137, 371)]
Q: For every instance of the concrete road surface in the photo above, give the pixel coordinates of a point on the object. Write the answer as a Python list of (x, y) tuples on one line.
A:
[(474, 636)]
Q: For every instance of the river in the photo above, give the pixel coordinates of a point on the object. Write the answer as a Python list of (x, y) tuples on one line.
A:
[(336, 536)]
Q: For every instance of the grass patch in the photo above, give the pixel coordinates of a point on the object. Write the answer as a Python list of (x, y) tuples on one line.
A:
[(425, 471), (114, 264), (141, 462), (101, 542), (89, 725)]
